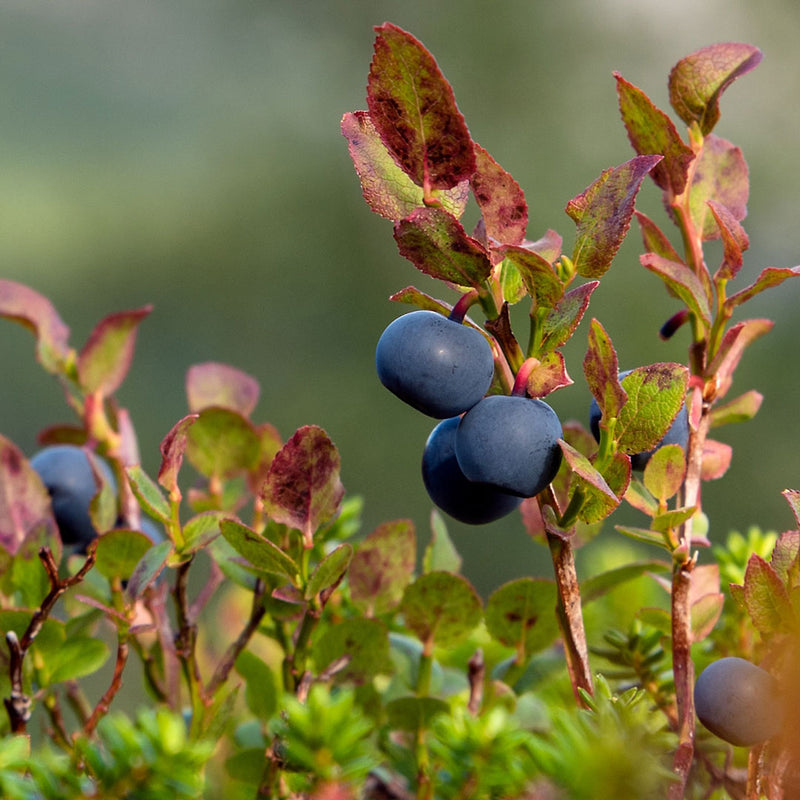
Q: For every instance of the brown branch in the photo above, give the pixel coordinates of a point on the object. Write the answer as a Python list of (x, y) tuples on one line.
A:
[(116, 683), (476, 673)]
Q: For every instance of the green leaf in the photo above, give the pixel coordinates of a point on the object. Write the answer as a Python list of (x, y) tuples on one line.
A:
[(638, 496), (148, 493), (383, 566), (601, 368), (655, 395), (643, 535), (329, 571), (740, 409), (151, 564), (596, 586), (302, 488), (651, 132), (441, 607), (697, 81), (214, 384), (200, 530), (222, 443), (598, 505), (104, 360), (562, 320), (500, 199), (435, 242), (36, 313), (602, 214), (259, 551), (386, 187), (769, 277), (766, 598), (77, 657), (119, 552), (261, 694), (441, 553), (721, 175), (365, 642), (592, 483), (413, 109), (669, 520), (664, 472), (522, 614), (246, 765), (536, 274), (682, 281), (414, 713)]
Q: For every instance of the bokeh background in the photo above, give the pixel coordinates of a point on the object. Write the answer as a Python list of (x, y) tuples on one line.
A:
[(187, 154)]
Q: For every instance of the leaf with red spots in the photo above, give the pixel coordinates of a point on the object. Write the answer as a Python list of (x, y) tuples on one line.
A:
[(602, 214), (548, 375), (766, 598), (522, 614), (106, 357), (697, 81), (413, 109), (436, 243), (213, 384), (562, 320), (651, 132), (682, 282), (534, 271), (601, 368), (302, 488), (500, 199), (35, 312), (388, 190), (769, 277)]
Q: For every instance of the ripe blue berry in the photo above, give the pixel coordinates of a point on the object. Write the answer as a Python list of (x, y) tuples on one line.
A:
[(464, 500), (510, 442), (677, 433), (67, 475), (738, 701), (437, 365)]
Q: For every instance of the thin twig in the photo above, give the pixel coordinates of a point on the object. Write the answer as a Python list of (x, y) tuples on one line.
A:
[(116, 683)]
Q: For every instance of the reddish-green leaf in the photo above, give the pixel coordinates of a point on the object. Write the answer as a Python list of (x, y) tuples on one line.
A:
[(651, 132), (734, 240), (303, 489), (270, 443), (33, 310), (601, 368), (330, 571), (740, 409), (24, 502), (365, 643), (383, 565), (655, 395), (222, 443), (601, 500), (259, 551), (441, 607), (522, 614), (214, 384), (548, 247), (784, 557), (664, 472), (704, 614), (500, 199), (721, 175), (793, 499), (682, 282), (716, 459), (441, 553), (769, 277), (415, 297), (697, 81), (173, 447), (765, 597), (148, 493), (549, 374), (436, 243), (413, 109), (536, 274), (730, 351), (602, 214), (655, 240), (106, 357), (388, 190), (641, 499), (562, 320)]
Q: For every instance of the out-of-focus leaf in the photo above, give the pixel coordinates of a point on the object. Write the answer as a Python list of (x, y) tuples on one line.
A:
[(730, 351), (222, 443), (765, 597), (215, 384), (595, 586), (522, 614), (365, 642), (173, 448), (119, 552), (329, 571), (413, 109), (716, 459), (78, 656), (414, 713), (441, 553), (260, 692), (151, 564), (664, 472), (704, 615), (740, 409)]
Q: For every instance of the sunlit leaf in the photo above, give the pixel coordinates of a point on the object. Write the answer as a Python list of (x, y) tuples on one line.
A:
[(769, 277), (716, 459), (664, 472), (536, 274), (765, 597), (561, 321), (596, 586), (740, 409), (734, 240), (148, 493), (221, 442), (215, 384), (549, 374), (601, 368), (655, 240), (731, 349), (258, 550), (500, 199), (682, 281)]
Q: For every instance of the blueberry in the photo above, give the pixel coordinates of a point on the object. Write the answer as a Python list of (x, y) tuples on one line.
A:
[(738, 701), (67, 475), (677, 433), (510, 442), (437, 365), (464, 500)]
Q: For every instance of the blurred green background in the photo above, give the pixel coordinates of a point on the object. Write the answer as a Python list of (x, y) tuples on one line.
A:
[(188, 154)]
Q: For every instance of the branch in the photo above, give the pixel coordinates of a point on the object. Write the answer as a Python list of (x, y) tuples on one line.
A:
[(116, 683)]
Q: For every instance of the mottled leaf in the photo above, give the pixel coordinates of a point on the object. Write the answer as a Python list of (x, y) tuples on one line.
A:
[(697, 81), (441, 607), (721, 175), (655, 240), (303, 489), (601, 368), (215, 384), (682, 281), (536, 273), (548, 375), (561, 321), (740, 409), (651, 132), (413, 109), (258, 550), (330, 571), (784, 557), (35, 312), (655, 395), (730, 351), (602, 214), (119, 552), (522, 614), (388, 190), (104, 360), (173, 448), (664, 472), (734, 241), (600, 499), (383, 566), (765, 597), (222, 443), (769, 277), (436, 243), (364, 642), (500, 199)]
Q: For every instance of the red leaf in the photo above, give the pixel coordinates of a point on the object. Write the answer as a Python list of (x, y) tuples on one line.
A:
[(769, 277), (214, 384), (765, 597), (173, 447), (697, 81), (550, 374), (716, 459), (601, 368), (302, 489), (500, 199), (602, 213), (793, 499), (536, 273), (731, 349), (655, 240), (413, 109), (734, 241), (106, 357)]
